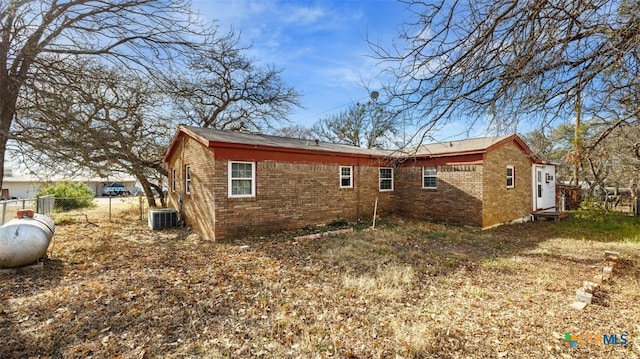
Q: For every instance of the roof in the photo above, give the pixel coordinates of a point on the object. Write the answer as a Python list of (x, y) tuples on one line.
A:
[(30, 178), (212, 137), (473, 145)]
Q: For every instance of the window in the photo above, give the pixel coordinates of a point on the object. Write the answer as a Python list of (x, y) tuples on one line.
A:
[(187, 179), (539, 183), (346, 177), (173, 180), (429, 179), (242, 179), (511, 177), (386, 179)]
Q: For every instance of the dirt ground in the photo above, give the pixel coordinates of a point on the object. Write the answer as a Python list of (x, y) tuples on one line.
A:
[(409, 290)]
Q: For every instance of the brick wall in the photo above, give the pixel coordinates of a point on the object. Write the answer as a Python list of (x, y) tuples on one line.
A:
[(292, 195), (456, 200), (295, 195), (197, 208), (504, 204), (288, 195)]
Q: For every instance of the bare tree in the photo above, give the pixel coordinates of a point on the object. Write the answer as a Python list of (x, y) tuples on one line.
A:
[(39, 35), (221, 88), (516, 61), (294, 131), (100, 119), (364, 125), (106, 118)]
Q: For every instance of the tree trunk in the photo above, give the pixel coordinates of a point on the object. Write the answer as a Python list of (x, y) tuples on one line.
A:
[(7, 111), (577, 136), (148, 188)]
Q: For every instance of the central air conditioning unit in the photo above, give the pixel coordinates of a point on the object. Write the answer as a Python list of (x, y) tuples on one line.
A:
[(163, 218)]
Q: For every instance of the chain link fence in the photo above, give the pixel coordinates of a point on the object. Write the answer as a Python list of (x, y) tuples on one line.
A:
[(42, 205), (91, 208)]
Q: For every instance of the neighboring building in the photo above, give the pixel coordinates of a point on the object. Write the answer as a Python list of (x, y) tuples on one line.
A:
[(230, 184), (27, 186)]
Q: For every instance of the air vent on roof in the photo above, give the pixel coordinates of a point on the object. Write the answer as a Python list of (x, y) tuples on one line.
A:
[(163, 218)]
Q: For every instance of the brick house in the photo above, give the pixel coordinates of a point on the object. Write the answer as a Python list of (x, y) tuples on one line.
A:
[(231, 185)]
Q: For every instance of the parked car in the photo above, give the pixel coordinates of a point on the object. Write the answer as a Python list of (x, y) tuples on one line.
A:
[(115, 189)]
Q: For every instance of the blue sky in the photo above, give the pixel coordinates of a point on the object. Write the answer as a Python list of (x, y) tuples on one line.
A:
[(320, 45)]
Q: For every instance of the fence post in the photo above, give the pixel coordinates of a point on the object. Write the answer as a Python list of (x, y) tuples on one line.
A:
[(140, 206), (4, 210)]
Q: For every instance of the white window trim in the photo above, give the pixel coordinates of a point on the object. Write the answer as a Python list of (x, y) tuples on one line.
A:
[(380, 180), (173, 179), (341, 176), (434, 176), (253, 180), (187, 179), (513, 177)]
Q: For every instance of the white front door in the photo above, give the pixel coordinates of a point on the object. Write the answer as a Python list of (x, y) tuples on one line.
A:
[(544, 187)]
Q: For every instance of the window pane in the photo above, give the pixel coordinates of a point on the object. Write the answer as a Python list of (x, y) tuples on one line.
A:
[(429, 177), (429, 171), (241, 170), (187, 182), (385, 173), (386, 178), (510, 177), (429, 182), (385, 184), (240, 187), (345, 176)]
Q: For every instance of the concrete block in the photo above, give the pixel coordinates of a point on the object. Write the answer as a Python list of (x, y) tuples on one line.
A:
[(578, 305), (590, 287), (611, 254), (582, 296), (614, 259)]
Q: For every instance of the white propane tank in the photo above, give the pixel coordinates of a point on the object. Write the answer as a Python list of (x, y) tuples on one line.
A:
[(25, 239)]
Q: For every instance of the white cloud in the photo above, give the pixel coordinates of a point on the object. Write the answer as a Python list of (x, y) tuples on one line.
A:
[(320, 45), (298, 15)]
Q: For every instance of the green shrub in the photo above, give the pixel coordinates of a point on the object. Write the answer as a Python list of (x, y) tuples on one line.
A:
[(591, 210), (64, 220), (594, 222), (69, 195)]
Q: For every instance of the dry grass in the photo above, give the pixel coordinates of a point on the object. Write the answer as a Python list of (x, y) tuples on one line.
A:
[(419, 290)]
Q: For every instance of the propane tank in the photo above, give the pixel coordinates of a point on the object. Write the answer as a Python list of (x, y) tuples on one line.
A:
[(25, 239)]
